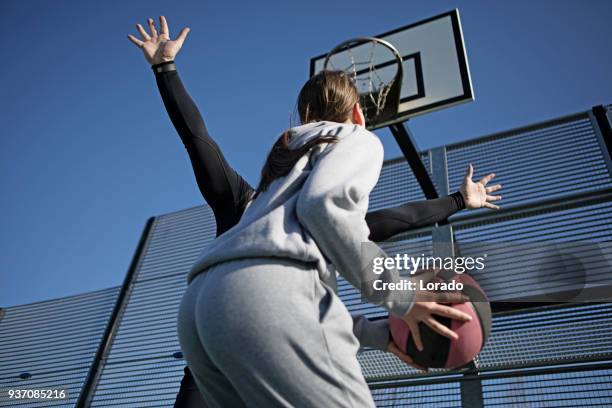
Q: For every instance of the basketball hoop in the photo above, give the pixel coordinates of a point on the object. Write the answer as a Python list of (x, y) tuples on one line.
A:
[(379, 90)]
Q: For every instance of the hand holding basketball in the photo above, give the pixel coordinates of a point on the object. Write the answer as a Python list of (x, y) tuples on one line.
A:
[(476, 195), (426, 306), (158, 47)]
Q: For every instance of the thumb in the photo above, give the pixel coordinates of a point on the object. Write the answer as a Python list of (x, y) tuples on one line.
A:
[(470, 172), (182, 36)]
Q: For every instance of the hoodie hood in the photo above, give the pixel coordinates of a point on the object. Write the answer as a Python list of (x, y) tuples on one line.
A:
[(300, 135)]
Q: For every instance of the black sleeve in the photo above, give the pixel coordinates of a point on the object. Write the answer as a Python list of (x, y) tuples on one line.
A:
[(225, 191), (387, 222)]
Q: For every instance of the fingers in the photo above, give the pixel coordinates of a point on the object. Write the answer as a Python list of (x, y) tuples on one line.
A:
[(152, 28), (441, 329), (135, 40), (163, 25), (143, 33), (470, 172), (416, 335), (491, 206), (450, 312), (494, 188), (493, 198), (181, 37), (486, 179)]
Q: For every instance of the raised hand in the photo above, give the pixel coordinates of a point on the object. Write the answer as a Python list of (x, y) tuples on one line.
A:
[(156, 47), (477, 195)]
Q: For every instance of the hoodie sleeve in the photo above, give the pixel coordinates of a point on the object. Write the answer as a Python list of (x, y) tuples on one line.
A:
[(332, 206), (371, 333)]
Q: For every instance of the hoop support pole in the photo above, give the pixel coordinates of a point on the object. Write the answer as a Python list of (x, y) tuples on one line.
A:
[(406, 143)]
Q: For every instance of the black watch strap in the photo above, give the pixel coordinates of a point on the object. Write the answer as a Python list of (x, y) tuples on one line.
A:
[(164, 67)]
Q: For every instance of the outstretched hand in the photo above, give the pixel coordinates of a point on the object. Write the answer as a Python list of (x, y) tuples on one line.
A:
[(477, 195), (158, 47)]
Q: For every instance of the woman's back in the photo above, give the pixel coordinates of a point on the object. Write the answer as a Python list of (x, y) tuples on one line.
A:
[(271, 226)]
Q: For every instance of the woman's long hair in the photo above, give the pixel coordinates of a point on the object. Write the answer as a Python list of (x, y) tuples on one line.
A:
[(327, 96)]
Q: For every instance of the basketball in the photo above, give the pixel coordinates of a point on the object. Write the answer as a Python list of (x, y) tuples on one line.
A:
[(442, 352)]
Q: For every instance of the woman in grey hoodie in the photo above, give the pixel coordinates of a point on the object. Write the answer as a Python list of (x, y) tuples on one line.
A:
[(227, 193), (260, 323)]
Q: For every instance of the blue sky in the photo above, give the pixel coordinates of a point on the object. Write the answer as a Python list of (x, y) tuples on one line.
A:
[(87, 152)]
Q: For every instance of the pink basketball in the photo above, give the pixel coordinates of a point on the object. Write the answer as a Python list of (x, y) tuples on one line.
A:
[(442, 352)]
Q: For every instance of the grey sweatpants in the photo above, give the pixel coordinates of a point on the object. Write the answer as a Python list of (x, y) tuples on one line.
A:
[(267, 333)]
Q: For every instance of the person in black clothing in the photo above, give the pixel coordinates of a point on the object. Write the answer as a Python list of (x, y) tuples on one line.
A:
[(227, 193)]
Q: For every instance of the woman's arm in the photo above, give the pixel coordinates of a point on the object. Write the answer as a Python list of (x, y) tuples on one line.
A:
[(223, 189), (332, 205), (221, 186), (472, 195), (387, 222)]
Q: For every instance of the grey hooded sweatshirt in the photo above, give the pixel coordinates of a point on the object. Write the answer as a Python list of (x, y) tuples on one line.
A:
[(316, 214)]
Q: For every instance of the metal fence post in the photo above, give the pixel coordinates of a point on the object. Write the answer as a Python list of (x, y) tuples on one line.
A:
[(439, 169), (471, 393), (407, 145), (443, 242), (441, 235), (601, 118), (90, 383)]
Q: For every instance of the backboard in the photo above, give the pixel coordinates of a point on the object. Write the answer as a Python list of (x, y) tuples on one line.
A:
[(436, 73)]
